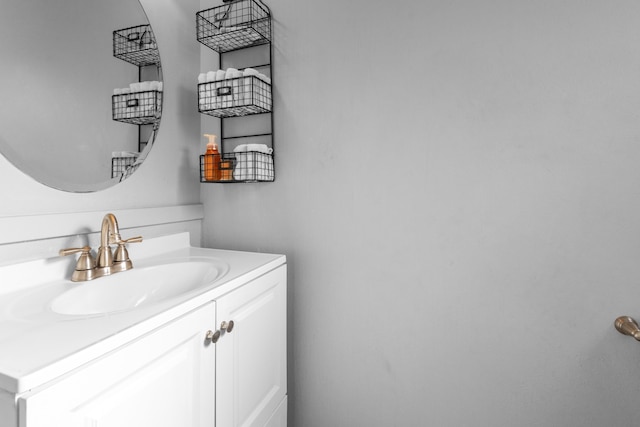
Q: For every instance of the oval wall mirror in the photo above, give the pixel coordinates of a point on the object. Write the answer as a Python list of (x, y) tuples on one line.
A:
[(74, 114)]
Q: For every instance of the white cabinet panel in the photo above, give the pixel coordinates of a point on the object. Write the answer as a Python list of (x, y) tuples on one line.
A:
[(251, 360), (279, 418), (162, 379)]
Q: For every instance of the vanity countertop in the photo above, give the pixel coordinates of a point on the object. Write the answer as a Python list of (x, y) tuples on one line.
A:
[(38, 345)]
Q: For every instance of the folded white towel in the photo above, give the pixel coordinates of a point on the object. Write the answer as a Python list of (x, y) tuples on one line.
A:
[(124, 154), (261, 148)]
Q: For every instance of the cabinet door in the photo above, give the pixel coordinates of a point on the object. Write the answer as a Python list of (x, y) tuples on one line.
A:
[(251, 360), (164, 379), (279, 418)]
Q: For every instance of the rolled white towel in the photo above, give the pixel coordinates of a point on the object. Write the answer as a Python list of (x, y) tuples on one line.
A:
[(202, 78), (231, 73), (238, 88), (211, 76), (264, 78), (220, 75), (117, 91), (251, 72)]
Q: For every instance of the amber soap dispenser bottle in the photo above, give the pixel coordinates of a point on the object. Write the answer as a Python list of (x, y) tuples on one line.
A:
[(211, 160)]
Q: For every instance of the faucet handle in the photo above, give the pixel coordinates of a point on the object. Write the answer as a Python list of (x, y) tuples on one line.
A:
[(136, 239), (85, 267), (121, 260)]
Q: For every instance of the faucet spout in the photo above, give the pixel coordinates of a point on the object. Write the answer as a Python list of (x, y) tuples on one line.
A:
[(110, 235), (109, 232)]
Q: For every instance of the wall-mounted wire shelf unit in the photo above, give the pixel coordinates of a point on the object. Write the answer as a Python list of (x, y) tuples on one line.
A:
[(227, 29), (137, 45)]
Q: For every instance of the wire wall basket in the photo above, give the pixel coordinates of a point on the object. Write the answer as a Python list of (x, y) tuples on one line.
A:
[(136, 45), (120, 163), (235, 97), (235, 25), (138, 108), (247, 166)]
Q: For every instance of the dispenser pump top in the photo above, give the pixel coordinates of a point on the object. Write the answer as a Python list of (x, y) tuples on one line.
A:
[(211, 145)]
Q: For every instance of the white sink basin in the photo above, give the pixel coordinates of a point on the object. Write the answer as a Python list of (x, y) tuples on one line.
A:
[(139, 287)]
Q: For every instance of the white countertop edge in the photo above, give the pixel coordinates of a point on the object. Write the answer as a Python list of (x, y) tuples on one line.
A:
[(15, 383)]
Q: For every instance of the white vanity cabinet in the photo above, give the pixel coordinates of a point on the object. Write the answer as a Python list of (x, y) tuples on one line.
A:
[(251, 360), (175, 376), (164, 379)]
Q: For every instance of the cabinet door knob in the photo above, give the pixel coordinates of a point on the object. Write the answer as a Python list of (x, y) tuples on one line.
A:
[(227, 326), (628, 326), (212, 336)]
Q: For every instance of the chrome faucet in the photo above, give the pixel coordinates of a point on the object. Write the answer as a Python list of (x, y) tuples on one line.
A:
[(108, 262)]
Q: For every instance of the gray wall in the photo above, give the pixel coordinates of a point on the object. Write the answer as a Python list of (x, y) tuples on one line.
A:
[(458, 196)]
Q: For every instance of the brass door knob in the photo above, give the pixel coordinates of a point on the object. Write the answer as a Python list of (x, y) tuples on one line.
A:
[(212, 337), (227, 326), (628, 326)]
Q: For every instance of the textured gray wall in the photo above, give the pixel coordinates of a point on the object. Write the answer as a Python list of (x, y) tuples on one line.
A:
[(457, 194)]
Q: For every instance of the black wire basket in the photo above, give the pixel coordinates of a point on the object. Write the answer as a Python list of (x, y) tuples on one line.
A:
[(246, 166), (119, 164), (136, 45), (137, 108), (235, 25), (241, 96)]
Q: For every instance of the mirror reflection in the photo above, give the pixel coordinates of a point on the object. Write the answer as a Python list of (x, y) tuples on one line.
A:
[(81, 88)]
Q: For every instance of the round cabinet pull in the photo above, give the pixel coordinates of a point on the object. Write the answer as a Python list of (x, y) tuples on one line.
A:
[(227, 326), (212, 336)]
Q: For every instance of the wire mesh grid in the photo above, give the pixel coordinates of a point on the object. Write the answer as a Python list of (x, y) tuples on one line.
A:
[(241, 96), (119, 165), (138, 108), (136, 45), (235, 25), (246, 166)]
